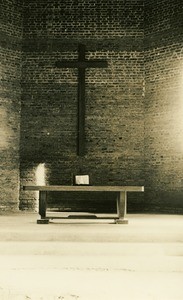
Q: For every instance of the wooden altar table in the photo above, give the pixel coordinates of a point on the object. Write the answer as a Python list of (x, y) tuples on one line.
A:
[(121, 199)]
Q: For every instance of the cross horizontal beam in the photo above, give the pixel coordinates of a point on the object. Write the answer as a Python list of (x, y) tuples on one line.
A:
[(81, 64)]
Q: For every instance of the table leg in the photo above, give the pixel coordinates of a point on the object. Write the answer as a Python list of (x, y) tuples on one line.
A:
[(121, 208), (42, 208)]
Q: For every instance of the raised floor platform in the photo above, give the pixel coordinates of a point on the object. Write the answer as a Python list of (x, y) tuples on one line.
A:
[(91, 260)]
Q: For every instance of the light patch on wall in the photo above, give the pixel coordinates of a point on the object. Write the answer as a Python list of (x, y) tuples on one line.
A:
[(40, 174), (5, 131), (40, 180), (3, 140)]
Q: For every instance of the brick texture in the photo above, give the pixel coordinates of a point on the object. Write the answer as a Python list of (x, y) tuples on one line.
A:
[(10, 98), (164, 106), (111, 30), (134, 108)]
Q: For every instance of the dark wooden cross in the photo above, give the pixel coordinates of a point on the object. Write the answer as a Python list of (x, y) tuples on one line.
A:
[(81, 65)]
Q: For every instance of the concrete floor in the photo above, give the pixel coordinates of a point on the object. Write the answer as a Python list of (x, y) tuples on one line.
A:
[(92, 260)]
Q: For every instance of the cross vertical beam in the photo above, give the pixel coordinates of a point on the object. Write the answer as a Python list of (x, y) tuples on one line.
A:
[(81, 65), (81, 103)]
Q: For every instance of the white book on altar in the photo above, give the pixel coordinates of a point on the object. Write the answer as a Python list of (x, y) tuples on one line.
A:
[(82, 179)]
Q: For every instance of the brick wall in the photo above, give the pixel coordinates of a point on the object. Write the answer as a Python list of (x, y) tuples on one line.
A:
[(164, 106), (141, 88), (10, 95), (111, 30)]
